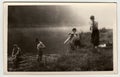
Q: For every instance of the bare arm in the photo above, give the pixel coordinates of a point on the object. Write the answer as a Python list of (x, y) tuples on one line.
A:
[(13, 52), (67, 40), (91, 28), (18, 51), (97, 24), (42, 45)]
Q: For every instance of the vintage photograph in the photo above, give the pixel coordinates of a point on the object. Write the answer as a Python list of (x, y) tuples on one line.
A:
[(60, 37)]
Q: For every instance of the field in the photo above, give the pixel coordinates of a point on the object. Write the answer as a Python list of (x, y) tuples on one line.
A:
[(85, 58)]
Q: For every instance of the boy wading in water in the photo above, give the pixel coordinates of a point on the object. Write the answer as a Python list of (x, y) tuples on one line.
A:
[(16, 55), (40, 47), (95, 32)]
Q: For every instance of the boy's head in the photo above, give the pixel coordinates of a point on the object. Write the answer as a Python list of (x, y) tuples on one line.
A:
[(15, 45), (92, 17), (74, 30), (36, 40)]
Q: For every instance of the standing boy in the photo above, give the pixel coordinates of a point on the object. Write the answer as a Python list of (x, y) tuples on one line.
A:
[(40, 47), (95, 32)]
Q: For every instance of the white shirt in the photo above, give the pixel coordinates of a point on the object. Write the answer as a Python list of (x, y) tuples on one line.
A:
[(95, 25), (70, 37), (40, 45)]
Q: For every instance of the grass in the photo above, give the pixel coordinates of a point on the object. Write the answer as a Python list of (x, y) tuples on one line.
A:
[(84, 59)]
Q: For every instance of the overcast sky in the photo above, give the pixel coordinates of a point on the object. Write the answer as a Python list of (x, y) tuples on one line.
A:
[(63, 15), (105, 14)]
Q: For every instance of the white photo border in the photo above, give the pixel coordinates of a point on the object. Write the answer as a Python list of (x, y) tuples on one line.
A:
[(5, 31)]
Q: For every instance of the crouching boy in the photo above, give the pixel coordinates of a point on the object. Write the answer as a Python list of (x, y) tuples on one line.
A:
[(16, 53)]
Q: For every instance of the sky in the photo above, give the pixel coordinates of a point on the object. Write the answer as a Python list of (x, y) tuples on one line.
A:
[(62, 15), (105, 14)]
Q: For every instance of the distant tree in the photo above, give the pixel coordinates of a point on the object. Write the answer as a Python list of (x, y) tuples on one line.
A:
[(103, 30)]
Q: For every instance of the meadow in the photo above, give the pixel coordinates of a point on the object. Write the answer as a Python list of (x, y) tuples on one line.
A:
[(85, 58)]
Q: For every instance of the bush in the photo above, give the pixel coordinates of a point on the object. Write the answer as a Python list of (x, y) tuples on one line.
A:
[(103, 30)]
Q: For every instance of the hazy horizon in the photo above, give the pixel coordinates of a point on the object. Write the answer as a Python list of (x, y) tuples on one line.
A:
[(63, 16)]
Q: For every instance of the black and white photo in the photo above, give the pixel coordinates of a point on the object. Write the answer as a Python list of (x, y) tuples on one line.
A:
[(60, 37)]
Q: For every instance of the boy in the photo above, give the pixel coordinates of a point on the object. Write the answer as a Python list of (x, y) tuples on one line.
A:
[(40, 47), (95, 32), (71, 35), (73, 40), (16, 55)]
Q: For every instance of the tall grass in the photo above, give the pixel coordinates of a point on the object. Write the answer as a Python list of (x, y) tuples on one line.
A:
[(84, 59)]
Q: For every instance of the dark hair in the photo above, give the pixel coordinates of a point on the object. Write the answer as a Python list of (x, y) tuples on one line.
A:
[(15, 45), (74, 29), (92, 17), (36, 40)]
